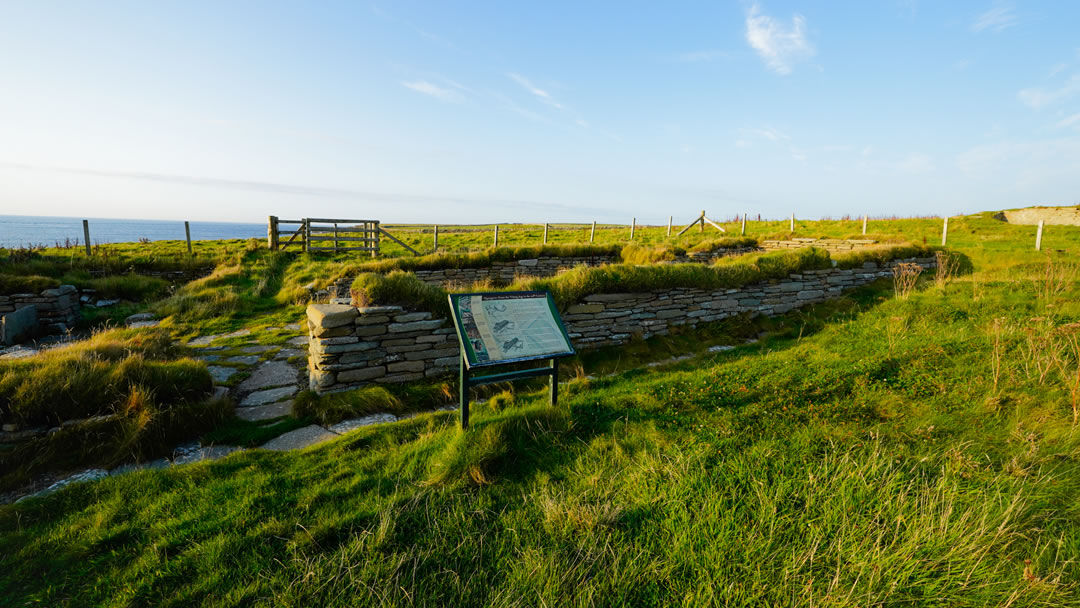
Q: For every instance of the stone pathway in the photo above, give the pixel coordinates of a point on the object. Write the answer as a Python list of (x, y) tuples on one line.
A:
[(264, 395)]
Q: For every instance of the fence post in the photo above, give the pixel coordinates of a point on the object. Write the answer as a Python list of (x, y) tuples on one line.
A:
[(86, 235), (187, 234), (633, 226), (864, 224), (306, 227), (545, 233), (375, 251), (743, 233), (792, 222), (272, 233), (669, 225), (592, 233), (1038, 237), (945, 232), (701, 228), (436, 238), (496, 236)]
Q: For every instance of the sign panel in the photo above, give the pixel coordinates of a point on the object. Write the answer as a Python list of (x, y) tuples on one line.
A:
[(506, 327)]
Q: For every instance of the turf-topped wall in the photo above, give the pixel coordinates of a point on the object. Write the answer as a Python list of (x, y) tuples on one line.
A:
[(505, 271), (496, 272), (351, 346)]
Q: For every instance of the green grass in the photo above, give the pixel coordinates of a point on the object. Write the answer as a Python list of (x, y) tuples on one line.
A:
[(149, 395), (891, 452)]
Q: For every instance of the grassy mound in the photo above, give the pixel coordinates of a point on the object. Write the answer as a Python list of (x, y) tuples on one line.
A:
[(133, 391)]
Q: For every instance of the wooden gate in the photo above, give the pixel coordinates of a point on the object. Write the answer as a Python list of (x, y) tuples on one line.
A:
[(321, 234)]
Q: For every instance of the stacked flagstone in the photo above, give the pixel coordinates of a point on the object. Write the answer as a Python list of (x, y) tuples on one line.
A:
[(830, 245), (351, 347), (57, 309)]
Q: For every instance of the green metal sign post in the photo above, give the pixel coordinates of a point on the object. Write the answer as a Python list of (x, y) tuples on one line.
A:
[(500, 328)]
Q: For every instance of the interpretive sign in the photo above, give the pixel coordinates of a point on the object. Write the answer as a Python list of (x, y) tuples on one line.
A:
[(498, 328)]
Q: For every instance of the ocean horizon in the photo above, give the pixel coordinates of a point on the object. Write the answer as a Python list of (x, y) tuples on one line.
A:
[(27, 230)]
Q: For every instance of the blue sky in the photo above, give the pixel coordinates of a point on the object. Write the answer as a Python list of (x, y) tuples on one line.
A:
[(499, 112)]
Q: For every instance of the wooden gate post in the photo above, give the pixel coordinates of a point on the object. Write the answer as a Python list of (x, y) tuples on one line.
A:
[(86, 235), (1038, 237), (187, 235), (702, 220), (436, 238), (633, 226), (792, 222), (669, 225), (375, 251), (945, 232), (743, 233), (545, 233), (496, 236), (864, 224), (592, 233), (272, 233)]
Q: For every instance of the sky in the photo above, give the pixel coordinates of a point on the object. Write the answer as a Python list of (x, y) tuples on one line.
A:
[(479, 112)]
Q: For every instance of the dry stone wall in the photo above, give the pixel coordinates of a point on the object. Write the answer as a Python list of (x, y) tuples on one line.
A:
[(351, 346), (830, 245), (503, 273), (57, 309)]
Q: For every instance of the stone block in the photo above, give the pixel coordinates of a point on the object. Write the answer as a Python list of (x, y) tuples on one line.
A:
[(406, 366), (328, 316), (338, 340), (372, 319), (370, 330), (344, 330), (670, 313), (348, 348), (397, 328), (581, 309), (18, 325), (407, 377), (412, 316), (378, 310), (432, 354), (811, 294), (609, 297), (357, 375)]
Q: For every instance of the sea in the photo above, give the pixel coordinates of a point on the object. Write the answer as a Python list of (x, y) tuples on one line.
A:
[(25, 230)]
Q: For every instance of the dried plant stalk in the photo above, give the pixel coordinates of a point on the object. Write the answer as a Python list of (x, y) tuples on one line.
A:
[(905, 276), (948, 264)]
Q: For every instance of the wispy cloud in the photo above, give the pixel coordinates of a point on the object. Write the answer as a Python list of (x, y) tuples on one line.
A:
[(779, 45), (701, 56), (419, 201), (433, 90), (535, 90), (999, 18), (1073, 120), (769, 133), (1039, 98)]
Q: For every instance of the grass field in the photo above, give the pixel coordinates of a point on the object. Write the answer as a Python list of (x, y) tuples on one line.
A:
[(870, 451)]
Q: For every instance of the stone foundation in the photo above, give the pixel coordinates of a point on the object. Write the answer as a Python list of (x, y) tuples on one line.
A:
[(350, 347), (57, 309)]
